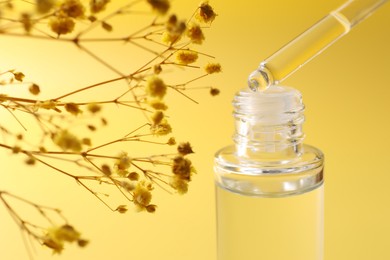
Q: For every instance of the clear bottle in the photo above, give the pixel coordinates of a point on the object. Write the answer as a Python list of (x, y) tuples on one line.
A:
[(269, 188)]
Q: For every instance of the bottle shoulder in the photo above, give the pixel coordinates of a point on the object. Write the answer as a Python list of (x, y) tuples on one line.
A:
[(269, 178), (309, 157)]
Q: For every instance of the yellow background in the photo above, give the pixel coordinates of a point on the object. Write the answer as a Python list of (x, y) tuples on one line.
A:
[(346, 91)]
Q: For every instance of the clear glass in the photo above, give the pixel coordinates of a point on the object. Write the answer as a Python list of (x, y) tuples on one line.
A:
[(269, 188), (252, 228), (311, 43)]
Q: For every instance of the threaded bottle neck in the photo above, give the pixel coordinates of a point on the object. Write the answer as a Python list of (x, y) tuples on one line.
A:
[(269, 123)]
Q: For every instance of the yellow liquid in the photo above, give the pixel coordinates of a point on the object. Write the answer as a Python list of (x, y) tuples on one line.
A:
[(255, 228)]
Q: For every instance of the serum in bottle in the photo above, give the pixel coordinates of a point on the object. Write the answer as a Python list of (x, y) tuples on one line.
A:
[(269, 191)]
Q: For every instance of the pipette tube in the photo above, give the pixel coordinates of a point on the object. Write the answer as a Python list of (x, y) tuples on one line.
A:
[(311, 43)]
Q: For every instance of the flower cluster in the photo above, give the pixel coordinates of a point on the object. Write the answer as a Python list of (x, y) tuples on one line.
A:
[(98, 6), (182, 169), (142, 196), (122, 164), (206, 13), (67, 141), (63, 20), (213, 68), (53, 237), (195, 33), (160, 6), (186, 56), (57, 236), (155, 87)]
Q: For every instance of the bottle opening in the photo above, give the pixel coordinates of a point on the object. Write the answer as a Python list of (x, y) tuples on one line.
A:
[(277, 105)]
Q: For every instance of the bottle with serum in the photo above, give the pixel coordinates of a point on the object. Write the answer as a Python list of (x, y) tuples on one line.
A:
[(269, 188)]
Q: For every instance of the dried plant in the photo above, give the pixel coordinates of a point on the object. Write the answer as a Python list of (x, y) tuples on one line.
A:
[(171, 45)]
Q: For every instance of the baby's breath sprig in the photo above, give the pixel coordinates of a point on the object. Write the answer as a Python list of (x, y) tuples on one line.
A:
[(170, 43), (54, 231)]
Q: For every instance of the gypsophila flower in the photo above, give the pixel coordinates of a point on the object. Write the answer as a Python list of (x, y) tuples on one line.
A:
[(44, 6), (72, 8), (26, 21), (157, 104), (93, 108), (151, 208), (133, 176), (179, 184), (162, 128), (19, 76), (97, 6), (82, 242), (195, 33), (157, 69), (185, 148), (121, 209), (186, 56), (3, 97), (67, 141), (42, 149), (182, 167), (91, 127), (56, 245), (174, 30), (106, 26), (57, 236), (169, 38), (171, 22), (30, 161), (214, 91), (73, 108), (106, 170), (86, 141), (61, 25), (160, 6), (128, 186), (48, 104), (155, 87), (171, 141), (213, 68), (34, 89), (16, 149), (206, 13), (92, 18), (157, 117), (142, 195), (66, 233), (122, 164)]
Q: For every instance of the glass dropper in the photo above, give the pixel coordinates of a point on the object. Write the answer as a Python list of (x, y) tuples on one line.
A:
[(310, 43)]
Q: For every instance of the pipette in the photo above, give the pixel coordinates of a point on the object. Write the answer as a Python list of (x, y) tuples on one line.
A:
[(311, 43)]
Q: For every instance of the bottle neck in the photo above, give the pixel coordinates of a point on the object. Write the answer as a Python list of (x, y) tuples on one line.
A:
[(269, 124)]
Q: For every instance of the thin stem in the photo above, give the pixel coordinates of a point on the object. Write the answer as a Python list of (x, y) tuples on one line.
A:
[(13, 115), (111, 179), (90, 87), (188, 97), (100, 60), (93, 193)]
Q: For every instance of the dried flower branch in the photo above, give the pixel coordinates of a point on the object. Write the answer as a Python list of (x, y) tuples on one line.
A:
[(167, 40), (53, 235)]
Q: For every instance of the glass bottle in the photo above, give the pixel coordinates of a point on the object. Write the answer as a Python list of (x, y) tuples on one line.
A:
[(269, 191)]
